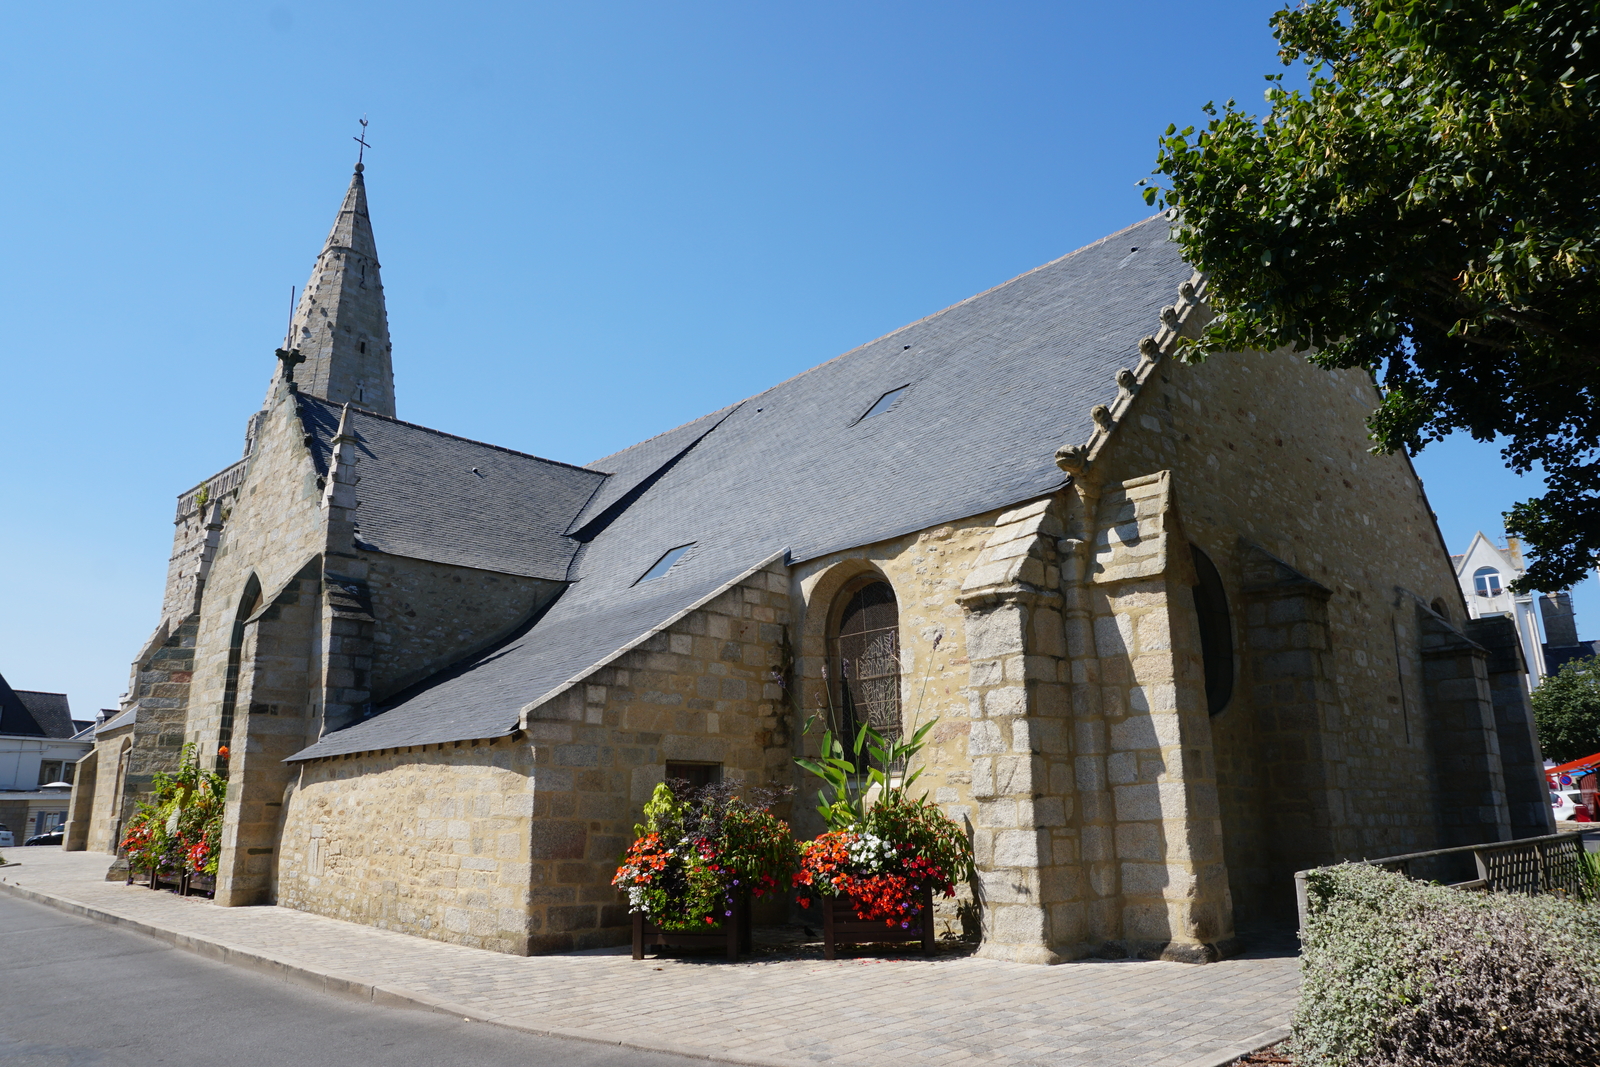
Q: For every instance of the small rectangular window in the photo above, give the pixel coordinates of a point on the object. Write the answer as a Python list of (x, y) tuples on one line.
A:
[(885, 402), (664, 564), (698, 775)]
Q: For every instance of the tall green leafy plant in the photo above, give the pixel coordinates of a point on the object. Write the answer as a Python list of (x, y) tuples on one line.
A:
[(851, 777), (180, 828)]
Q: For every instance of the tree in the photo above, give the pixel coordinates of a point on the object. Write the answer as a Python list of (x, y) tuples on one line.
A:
[(1428, 209), (1566, 708)]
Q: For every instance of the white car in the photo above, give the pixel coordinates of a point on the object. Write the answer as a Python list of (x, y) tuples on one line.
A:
[(1566, 802), (6, 838)]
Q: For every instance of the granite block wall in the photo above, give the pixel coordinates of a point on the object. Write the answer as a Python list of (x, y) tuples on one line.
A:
[(433, 841)]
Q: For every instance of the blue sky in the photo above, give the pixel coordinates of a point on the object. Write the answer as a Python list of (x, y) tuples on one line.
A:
[(596, 222)]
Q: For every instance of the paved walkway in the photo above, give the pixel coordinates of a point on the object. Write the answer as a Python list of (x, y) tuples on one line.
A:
[(863, 1012)]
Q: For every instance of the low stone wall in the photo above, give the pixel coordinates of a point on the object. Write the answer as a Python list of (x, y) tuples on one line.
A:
[(432, 841), (511, 844)]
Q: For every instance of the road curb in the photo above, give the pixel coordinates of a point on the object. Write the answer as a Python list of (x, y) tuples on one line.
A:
[(356, 989), (392, 997)]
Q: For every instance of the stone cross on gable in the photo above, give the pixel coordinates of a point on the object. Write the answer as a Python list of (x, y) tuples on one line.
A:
[(290, 358)]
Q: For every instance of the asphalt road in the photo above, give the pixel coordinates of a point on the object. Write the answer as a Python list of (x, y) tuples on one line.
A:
[(77, 992)]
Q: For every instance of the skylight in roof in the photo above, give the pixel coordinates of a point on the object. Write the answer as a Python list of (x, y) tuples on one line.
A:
[(664, 564), (885, 402)]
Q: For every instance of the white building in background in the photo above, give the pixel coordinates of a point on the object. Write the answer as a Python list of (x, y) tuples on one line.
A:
[(40, 745), (1486, 571)]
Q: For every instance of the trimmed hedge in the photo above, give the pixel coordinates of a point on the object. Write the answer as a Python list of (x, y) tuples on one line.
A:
[(1398, 973)]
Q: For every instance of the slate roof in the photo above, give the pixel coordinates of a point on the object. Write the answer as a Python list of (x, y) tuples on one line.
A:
[(50, 711), (434, 496), (15, 718), (996, 384), (116, 722), (26, 713)]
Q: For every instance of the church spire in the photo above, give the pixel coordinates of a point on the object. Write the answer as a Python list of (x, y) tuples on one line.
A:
[(340, 327)]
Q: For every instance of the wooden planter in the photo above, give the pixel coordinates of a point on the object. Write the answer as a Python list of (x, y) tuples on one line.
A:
[(183, 882), (732, 934), (153, 878), (842, 926), (191, 883)]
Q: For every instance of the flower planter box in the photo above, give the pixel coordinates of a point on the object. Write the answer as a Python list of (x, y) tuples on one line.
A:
[(153, 878), (842, 926), (202, 884), (732, 934)]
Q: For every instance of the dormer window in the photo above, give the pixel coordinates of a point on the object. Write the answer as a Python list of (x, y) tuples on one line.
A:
[(665, 563), (1487, 581), (885, 402)]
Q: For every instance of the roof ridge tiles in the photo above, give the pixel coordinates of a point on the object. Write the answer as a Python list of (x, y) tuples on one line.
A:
[(453, 436), (594, 465), (951, 307)]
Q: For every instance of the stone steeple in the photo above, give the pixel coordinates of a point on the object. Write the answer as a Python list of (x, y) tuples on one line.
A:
[(341, 328)]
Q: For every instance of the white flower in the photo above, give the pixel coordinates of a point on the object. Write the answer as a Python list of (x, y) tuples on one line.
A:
[(870, 852)]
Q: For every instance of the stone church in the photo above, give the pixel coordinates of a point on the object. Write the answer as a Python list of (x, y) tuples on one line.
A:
[(1183, 634)]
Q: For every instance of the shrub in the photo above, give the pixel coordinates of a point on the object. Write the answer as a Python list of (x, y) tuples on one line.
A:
[(182, 829), (885, 862), (1400, 973), (697, 847)]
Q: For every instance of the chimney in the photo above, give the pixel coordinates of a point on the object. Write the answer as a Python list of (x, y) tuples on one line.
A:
[(1560, 625)]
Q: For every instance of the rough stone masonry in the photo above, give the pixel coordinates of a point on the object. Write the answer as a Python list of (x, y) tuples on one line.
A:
[(1182, 633)]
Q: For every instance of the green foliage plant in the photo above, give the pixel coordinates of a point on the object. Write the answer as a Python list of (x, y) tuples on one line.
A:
[(916, 823), (1589, 863), (876, 763), (1566, 709), (882, 846), (180, 827), (698, 847), (1399, 973), (1426, 209)]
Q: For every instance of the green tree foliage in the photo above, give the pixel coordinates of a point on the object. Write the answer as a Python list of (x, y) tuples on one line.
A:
[(1428, 208), (1566, 707)]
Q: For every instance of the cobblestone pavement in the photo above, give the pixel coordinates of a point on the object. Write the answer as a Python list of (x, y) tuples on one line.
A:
[(867, 1011)]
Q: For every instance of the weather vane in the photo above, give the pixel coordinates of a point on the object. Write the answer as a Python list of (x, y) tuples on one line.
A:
[(362, 141)]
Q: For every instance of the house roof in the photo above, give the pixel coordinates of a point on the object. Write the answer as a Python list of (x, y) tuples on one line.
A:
[(993, 385), (434, 496), (50, 711), (26, 713), (15, 718), (1482, 551)]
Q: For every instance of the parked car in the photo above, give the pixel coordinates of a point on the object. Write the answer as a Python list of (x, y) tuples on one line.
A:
[(6, 838), (1566, 803), (54, 837)]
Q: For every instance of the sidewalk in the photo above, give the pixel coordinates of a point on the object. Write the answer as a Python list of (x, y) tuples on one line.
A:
[(860, 1012)]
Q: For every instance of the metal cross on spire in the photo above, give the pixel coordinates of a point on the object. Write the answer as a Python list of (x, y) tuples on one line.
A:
[(362, 141)]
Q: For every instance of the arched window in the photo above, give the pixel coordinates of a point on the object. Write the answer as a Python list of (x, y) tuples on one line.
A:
[(249, 604), (1216, 631), (866, 650), (1487, 581)]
